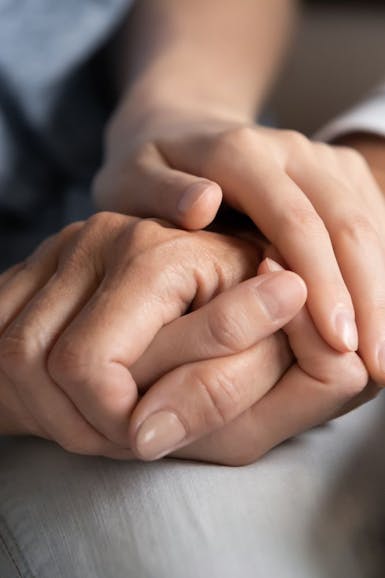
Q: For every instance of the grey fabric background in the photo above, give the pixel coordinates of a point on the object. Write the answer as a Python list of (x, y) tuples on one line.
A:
[(312, 508)]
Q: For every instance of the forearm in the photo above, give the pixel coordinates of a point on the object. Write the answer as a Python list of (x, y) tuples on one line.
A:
[(220, 55)]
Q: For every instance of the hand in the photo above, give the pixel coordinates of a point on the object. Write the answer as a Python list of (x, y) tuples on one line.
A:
[(78, 314), (319, 205), (321, 385), (372, 149)]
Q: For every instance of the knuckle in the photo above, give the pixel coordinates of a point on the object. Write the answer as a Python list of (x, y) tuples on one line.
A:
[(220, 395), (301, 220), (67, 236), (228, 328), (352, 156), (71, 230), (85, 254), (295, 138), (325, 153), (143, 234), (142, 229), (235, 138), (348, 375), (323, 148), (16, 354), (241, 134), (163, 256), (356, 375), (105, 220), (353, 227), (343, 374), (67, 364)]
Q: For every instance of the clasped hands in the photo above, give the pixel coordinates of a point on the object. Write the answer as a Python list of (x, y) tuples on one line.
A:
[(321, 208), (127, 337)]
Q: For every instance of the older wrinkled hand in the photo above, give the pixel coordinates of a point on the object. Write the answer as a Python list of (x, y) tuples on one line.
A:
[(79, 314)]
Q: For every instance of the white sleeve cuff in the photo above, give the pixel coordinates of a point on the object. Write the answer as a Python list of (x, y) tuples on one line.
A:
[(368, 116)]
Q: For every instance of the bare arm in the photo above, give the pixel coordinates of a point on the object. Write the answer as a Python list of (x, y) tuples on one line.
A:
[(221, 54)]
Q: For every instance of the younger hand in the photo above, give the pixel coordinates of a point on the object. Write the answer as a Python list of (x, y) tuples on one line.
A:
[(319, 205)]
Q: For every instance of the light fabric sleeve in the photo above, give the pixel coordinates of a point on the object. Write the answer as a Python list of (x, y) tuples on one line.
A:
[(367, 116)]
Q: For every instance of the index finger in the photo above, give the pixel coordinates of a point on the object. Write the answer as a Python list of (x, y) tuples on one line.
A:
[(254, 182), (319, 387), (197, 398)]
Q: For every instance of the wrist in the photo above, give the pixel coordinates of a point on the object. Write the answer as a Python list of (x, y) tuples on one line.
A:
[(153, 93), (145, 112)]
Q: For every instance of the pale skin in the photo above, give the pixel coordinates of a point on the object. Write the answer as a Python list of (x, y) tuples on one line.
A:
[(87, 305), (75, 350), (58, 361), (94, 319), (183, 138)]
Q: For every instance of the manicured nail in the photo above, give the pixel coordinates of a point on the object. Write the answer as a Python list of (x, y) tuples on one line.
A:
[(381, 357), (159, 434), (346, 328), (281, 294), (192, 195), (273, 265)]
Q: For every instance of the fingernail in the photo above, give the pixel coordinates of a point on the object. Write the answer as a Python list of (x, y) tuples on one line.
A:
[(281, 294), (273, 265), (347, 330), (191, 196), (381, 357), (159, 434)]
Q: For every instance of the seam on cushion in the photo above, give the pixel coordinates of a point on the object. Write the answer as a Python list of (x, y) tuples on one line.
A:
[(6, 539)]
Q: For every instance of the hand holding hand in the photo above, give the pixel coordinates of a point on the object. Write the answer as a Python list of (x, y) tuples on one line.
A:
[(319, 205), (79, 314), (319, 385)]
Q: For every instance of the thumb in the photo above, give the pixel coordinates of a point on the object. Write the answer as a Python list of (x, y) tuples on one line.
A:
[(198, 398), (151, 188)]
